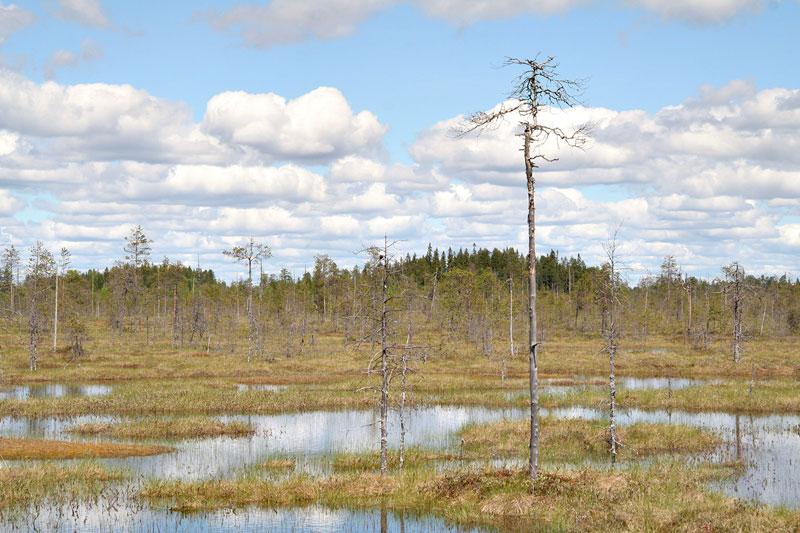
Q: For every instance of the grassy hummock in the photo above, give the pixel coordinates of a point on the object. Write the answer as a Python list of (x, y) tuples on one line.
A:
[(13, 449), (162, 428), (574, 440), (29, 483), (661, 496)]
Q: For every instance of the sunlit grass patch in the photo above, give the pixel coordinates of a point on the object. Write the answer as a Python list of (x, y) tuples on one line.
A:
[(33, 482), (12, 449), (737, 396), (166, 428), (661, 496), (413, 457), (278, 464), (575, 440)]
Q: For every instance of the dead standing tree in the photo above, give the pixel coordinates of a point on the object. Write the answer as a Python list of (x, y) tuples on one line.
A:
[(61, 266), (537, 88), (392, 357), (736, 286), (249, 253), (608, 295), (41, 267)]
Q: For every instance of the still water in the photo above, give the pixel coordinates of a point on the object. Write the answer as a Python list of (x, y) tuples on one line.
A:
[(768, 446)]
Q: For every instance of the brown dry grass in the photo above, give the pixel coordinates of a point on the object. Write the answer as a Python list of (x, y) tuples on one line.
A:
[(51, 449)]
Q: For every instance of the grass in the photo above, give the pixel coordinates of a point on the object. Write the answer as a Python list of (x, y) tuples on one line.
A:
[(663, 496), (216, 396), (657, 495), (172, 428), (328, 362), (413, 457), (729, 396), (278, 464), (188, 397), (34, 482), (13, 449), (575, 440)]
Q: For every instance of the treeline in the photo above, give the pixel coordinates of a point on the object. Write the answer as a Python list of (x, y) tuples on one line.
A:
[(475, 298)]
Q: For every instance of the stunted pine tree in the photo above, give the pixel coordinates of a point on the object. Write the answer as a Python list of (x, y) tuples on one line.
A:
[(137, 253), (251, 252), (137, 248), (538, 88)]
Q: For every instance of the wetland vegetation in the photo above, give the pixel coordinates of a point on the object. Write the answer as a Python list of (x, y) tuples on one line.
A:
[(706, 442)]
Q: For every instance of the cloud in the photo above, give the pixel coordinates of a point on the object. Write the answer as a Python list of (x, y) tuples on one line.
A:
[(9, 204), (731, 140), (705, 179), (693, 12), (209, 184), (465, 13), (13, 19), (90, 51), (60, 59), (292, 21), (318, 125), (709, 177), (119, 122), (88, 13)]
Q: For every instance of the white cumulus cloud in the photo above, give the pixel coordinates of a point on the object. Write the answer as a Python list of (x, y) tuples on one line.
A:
[(316, 125)]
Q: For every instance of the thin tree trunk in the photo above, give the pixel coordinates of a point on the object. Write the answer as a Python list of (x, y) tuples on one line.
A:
[(250, 318), (404, 371), (175, 317), (384, 366), (533, 462), (510, 329), (55, 318), (612, 352)]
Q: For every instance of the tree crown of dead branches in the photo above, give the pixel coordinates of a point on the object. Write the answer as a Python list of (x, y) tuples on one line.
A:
[(538, 85)]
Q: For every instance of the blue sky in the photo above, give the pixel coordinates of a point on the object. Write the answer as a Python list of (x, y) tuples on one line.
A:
[(104, 125)]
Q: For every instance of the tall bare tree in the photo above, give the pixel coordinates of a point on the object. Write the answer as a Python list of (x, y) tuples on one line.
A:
[(537, 88), (251, 252)]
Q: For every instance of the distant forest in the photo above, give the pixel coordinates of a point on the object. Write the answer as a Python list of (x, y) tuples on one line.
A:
[(477, 296)]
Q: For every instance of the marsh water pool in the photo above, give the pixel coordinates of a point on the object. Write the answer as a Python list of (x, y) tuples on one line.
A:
[(98, 517), (768, 447), (52, 390)]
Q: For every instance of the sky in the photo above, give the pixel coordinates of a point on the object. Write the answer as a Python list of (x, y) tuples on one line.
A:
[(318, 127)]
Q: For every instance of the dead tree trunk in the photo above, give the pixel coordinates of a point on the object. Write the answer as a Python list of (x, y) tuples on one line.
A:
[(533, 360), (384, 407), (735, 285), (537, 87), (510, 329), (611, 337)]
